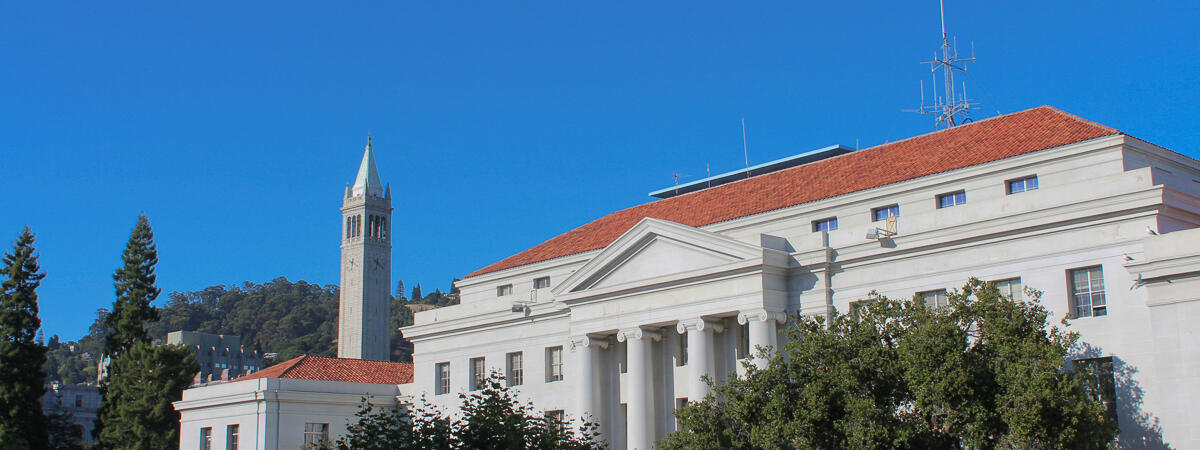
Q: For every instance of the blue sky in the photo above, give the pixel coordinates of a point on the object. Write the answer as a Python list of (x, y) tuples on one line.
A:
[(235, 126)]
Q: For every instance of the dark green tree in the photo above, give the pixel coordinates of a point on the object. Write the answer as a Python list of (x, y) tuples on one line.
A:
[(416, 294), (400, 290), (134, 283), (135, 409), (22, 424), (984, 372)]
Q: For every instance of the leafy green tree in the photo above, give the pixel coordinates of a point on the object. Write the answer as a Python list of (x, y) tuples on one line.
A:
[(490, 418), (134, 283), (983, 372), (22, 424), (135, 408)]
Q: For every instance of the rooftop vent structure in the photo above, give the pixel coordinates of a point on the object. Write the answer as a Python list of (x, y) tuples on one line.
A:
[(741, 174)]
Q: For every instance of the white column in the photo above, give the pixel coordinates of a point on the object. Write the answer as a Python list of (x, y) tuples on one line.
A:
[(700, 354), (640, 399), (762, 332), (586, 352)]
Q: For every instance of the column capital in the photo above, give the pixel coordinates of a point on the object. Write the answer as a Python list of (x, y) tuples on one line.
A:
[(761, 315), (588, 341), (637, 333), (699, 324)]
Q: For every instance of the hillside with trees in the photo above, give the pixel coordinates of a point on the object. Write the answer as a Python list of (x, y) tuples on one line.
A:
[(280, 316)]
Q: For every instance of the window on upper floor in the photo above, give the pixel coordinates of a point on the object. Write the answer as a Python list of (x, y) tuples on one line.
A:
[(743, 342), (1010, 288), (681, 350), (1087, 292), (1102, 383), (934, 299), (951, 199), (504, 290), (680, 403), (827, 224), (514, 371), (478, 371), (315, 433), (1022, 184), (231, 436), (554, 364), (541, 283), (883, 212), (206, 438), (441, 378)]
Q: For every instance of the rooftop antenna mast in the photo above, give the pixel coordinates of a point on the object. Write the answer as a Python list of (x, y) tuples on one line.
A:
[(951, 107)]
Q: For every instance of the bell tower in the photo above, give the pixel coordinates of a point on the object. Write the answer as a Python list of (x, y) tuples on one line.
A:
[(364, 320)]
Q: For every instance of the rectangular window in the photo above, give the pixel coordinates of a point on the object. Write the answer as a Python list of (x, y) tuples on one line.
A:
[(478, 371), (555, 420), (827, 224), (743, 341), (883, 212), (1010, 288), (315, 433), (1102, 383), (554, 364), (951, 199), (503, 290), (935, 299), (515, 370), (1021, 185), (541, 283), (206, 438), (1087, 292), (622, 357), (231, 437), (679, 404), (681, 350), (441, 377), (78, 401)]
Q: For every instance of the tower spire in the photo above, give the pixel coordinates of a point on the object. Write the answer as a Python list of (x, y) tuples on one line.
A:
[(367, 181)]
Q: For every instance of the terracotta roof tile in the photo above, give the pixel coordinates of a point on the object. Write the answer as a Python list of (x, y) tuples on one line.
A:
[(963, 146), (306, 367)]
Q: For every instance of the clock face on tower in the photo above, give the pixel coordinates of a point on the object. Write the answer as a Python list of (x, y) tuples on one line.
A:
[(351, 264), (378, 264)]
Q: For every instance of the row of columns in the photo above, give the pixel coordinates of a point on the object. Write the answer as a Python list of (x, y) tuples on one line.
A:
[(641, 417)]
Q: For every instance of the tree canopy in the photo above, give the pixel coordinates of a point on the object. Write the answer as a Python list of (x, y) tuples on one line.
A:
[(983, 372), (22, 424)]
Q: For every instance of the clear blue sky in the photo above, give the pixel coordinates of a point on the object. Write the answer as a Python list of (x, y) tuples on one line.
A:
[(235, 126)]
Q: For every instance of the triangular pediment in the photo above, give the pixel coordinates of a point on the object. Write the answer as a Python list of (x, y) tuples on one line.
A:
[(654, 249)]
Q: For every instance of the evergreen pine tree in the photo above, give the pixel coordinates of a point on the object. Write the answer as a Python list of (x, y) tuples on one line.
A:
[(135, 408), (400, 290), (416, 295), (134, 283), (22, 424)]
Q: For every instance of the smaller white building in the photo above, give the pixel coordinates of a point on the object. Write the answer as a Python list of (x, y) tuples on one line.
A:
[(77, 401), (299, 401)]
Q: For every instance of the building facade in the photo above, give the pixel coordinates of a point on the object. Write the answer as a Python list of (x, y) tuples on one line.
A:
[(364, 324), (79, 403), (619, 319), (220, 356)]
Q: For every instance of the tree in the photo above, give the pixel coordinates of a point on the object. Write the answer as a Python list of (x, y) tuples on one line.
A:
[(134, 283), (416, 294), (400, 290), (490, 418), (135, 409), (22, 424), (983, 372)]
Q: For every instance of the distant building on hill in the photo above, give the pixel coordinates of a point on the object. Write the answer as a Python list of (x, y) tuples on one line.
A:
[(220, 356), (78, 402)]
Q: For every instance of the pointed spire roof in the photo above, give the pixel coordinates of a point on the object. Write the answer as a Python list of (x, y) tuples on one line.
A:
[(368, 176)]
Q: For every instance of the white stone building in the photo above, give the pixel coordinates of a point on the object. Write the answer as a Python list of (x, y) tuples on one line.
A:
[(620, 317)]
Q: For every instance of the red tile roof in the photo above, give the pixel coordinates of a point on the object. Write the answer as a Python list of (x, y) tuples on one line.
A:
[(963, 146), (306, 367)]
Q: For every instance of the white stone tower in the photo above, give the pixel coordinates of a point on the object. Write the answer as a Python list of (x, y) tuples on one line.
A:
[(364, 325)]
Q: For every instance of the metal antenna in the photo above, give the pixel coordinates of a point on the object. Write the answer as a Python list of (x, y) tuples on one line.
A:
[(745, 148), (951, 107)]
